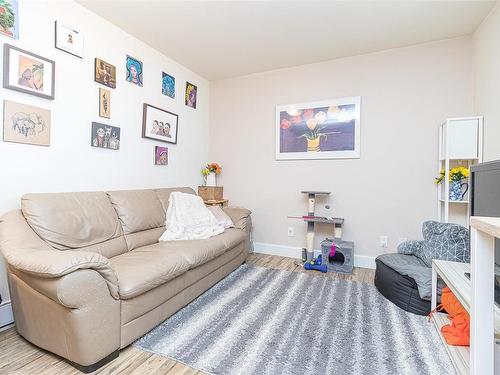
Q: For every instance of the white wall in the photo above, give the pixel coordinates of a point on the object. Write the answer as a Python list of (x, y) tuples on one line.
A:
[(70, 164), (487, 81), (406, 93)]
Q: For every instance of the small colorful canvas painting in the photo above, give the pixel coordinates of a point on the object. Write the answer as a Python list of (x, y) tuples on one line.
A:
[(104, 103), (27, 72), (105, 136), (161, 155), (191, 95), (69, 40), (134, 70), (105, 73), (159, 124), (321, 130), (9, 18), (167, 85), (24, 123)]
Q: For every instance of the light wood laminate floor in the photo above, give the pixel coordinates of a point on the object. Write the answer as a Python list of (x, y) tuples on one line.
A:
[(18, 356)]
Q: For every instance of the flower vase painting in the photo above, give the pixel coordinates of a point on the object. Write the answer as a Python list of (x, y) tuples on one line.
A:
[(328, 129)]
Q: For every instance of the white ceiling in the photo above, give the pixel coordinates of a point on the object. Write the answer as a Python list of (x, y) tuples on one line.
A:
[(218, 39)]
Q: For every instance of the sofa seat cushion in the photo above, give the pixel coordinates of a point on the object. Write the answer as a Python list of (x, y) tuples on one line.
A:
[(135, 307), (197, 252), (147, 267)]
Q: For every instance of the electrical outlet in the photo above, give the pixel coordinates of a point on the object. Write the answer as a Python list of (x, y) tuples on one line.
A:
[(384, 241), (291, 232)]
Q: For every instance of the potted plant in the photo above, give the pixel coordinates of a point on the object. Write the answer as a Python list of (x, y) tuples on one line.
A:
[(209, 173), (456, 176)]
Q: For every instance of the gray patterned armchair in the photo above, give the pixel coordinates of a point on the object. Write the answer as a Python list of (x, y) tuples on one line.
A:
[(405, 277)]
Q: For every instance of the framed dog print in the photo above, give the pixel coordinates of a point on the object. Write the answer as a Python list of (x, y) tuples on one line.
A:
[(27, 72), (104, 73), (159, 124), (68, 39), (104, 103), (105, 136), (24, 123)]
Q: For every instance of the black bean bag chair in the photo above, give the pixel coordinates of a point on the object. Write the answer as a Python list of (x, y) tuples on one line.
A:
[(400, 289)]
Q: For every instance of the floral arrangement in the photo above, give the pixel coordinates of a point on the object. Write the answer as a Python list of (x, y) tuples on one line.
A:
[(211, 168), (456, 174)]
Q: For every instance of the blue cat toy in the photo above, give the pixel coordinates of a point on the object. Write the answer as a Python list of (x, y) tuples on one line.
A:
[(316, 265)]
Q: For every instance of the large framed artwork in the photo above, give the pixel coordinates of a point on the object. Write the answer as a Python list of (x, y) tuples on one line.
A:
[(27, 72), (24, 123), (159, 124), (9, 18), (68, 39), (328, 129)]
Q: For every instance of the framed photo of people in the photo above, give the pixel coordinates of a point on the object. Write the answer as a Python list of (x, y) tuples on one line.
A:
[(159, 124)]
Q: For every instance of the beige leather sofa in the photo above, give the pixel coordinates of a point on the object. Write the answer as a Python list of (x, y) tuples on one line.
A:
[(88, 276)]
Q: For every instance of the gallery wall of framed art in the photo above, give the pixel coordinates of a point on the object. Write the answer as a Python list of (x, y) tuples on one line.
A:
[(54, 94), (65, 69)]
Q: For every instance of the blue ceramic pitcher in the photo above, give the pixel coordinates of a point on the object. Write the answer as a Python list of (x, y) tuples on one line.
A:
[(456, 190)]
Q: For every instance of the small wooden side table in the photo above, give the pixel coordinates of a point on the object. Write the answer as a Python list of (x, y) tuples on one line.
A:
[(216, 202)]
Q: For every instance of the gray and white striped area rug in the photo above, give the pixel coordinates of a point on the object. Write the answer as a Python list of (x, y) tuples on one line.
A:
[(264, 321)]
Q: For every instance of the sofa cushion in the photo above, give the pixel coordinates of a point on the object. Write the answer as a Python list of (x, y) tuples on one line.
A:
[(71, 220), (146, 268), (137, 306), (197, 252), (163, 194), (137, 209), (444, 241)]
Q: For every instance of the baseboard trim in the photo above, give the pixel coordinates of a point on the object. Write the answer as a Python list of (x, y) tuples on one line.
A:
[(6, 315), (363, 261)]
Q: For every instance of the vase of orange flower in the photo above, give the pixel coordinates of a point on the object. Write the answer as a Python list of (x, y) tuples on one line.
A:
[(210, 172)]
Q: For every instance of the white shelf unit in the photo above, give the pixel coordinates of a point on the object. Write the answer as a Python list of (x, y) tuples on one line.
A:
[(460, 144), (453, 274)]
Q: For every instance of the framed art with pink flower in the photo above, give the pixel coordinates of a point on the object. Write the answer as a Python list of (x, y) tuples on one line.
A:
[(328, 129)]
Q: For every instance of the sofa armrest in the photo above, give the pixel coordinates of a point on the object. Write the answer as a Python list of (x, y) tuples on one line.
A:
[(28, 253), (73, 316), (240, 217), (54, 264), (411, 247)]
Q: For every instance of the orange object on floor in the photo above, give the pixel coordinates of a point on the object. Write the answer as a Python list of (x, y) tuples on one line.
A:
[(458, 331)]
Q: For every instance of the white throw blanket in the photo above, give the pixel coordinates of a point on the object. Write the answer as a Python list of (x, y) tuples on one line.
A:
[(189, 219)]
